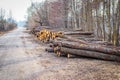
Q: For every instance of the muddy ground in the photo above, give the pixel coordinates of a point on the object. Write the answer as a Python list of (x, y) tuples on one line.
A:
[(22, 58)]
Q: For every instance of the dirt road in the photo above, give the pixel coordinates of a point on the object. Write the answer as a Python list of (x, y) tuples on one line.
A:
[(21, 58)]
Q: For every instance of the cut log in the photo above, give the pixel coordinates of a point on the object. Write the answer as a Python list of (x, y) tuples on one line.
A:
[(75, 40), (89, 47), (49, 49), (91, 54), (78, 33), (78, 30)]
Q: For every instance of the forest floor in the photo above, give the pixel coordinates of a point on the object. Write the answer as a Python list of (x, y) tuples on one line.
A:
[(22, 57)]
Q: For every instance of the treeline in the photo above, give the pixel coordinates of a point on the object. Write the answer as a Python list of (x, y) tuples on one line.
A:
[(8, 23), (99, 16)]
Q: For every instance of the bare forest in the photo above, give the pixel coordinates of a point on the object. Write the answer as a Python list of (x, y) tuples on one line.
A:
[(60, 40), (98, 16), (8, 23)]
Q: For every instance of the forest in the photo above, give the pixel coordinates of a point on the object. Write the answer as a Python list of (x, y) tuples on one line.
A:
[(59, 39), (102, 17), (6, 22)]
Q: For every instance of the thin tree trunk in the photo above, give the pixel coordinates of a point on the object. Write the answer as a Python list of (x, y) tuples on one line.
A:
[(104, 20)]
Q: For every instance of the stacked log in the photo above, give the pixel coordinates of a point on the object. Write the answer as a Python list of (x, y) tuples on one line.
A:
[(64, 44), (91, 54), (78, 33), (49, 49), (90, 47), (82, 48)]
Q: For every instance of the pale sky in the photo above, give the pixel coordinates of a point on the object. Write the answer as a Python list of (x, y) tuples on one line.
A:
[(18, 7)]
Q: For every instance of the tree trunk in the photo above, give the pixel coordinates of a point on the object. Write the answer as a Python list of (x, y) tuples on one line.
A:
[(89, 47), (49, 49), (78, 33), (75, 40), (89, 54), (104, 20)]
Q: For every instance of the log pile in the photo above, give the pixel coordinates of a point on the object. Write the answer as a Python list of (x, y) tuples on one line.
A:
[(45, 35), (69, 46), (65, 44)]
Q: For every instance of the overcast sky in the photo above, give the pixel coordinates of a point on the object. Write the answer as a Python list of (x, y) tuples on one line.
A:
[(18, 7)]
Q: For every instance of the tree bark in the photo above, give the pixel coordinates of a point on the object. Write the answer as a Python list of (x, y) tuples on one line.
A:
[(49, 49), (75, 40), (89, 54), (78, 33), (88, 47)]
